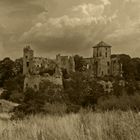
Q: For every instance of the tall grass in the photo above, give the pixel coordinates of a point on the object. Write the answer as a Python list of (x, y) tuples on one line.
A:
[(82, 126)]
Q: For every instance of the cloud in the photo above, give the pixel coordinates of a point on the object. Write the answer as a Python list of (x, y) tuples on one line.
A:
[(106, 2), (90, 9), (70, 34), (69, 26)]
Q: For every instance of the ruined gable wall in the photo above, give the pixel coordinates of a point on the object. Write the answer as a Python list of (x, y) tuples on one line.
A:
[(66, 62), (33, 81)]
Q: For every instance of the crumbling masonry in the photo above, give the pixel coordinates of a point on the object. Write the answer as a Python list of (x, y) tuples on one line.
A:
[(38, 69)]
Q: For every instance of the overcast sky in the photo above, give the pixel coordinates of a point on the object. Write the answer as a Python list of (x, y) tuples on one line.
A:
[(69, 26)]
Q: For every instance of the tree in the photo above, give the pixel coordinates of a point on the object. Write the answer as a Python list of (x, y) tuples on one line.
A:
[(125, 60), (18, 66), (6, 70), (118, 90), (34, 101), (14, 89), (83, 89), (135, 68)]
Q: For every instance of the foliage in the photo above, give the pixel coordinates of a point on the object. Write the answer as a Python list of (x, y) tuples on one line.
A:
[(18, 66), (9, 69), (6, 70), (131, 67), (51, 92), (14, 89), (124, 103), (55, 108), (82, 89), (36, 101), (118, 90)]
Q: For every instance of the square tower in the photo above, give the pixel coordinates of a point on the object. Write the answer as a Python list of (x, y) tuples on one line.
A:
[(102, 59), (28, 55)]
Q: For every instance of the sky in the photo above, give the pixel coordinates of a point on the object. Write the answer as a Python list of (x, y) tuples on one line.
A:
[(68, 27)]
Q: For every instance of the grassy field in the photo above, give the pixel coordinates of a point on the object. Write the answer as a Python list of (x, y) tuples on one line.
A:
[(82, 126)]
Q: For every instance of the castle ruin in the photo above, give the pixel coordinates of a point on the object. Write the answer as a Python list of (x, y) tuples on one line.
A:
[(103, 63), (38, 69)]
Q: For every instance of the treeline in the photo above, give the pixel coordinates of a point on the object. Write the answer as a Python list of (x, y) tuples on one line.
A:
[(10, 69), (80, 90)]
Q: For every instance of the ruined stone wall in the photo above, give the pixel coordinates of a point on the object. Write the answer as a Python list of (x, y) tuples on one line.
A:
[(107, 86), (66, 62), (116, 66), (33, 81)]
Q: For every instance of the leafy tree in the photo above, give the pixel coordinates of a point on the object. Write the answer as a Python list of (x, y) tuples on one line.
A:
[(14, 89), (125, 60), (83, 89), (35, 101), (135, 68), (6, 70), (131, 67), (18, 66), (118, 90), (123, 102), (51, 92)]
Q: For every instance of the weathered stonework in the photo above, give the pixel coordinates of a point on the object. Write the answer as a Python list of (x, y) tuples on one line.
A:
[(36, 69), (116, 66), (33, 81), (102, 63), (66, 62)]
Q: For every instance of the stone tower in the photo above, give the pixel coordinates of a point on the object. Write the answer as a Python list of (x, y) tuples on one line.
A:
[(28, 55), (102, 58)]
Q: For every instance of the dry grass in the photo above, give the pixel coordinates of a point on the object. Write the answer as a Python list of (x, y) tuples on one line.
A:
[(82, 126)]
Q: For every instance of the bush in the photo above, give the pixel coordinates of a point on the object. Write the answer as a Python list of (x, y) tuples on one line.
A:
[(36, 101), (55, 108), (124, 103), (82, 89), (14, 89)]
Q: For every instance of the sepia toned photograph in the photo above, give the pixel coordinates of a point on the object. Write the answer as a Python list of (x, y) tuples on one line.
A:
[(69, 69)]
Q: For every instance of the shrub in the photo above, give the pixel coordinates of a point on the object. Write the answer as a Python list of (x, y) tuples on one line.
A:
[(82, 89), (13, 89), (55, 108), (124, 103)]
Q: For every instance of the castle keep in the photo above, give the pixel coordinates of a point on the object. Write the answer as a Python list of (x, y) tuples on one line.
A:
[(38, 69)]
